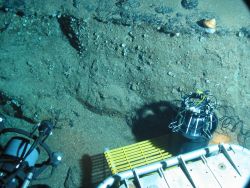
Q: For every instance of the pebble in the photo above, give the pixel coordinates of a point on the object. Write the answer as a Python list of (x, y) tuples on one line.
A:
[(158, 28), (54, 15), (134, 87), (177, 34), (130, 33), (123, 45), (125, 52), (240, 34), (201, 38), (207, 81), (138, 47), (171, 74), (180, 89), (189, 4)]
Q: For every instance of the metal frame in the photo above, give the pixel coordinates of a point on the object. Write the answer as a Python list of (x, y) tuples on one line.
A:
[(173, 161)]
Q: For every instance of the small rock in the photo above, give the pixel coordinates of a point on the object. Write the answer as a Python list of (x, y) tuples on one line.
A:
[(149, 62), (180, 89), (125, 52), (245, 31), (134, 87), (171, 74), (123, 45), (189, 4), (177, 34), (201, 38), (240, 34), (207, 81), (138, 47), (163, 10), (130, 33), (54, 15)]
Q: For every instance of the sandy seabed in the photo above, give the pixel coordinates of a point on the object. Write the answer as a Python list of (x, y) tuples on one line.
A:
[(92, 67)]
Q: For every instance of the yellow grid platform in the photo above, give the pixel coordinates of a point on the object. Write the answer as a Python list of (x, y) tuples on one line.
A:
[(135, 155)]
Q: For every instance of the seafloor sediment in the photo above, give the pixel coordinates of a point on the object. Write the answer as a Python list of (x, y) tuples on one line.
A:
[(91, 66)]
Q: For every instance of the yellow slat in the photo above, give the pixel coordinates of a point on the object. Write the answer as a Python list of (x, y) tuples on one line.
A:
[(140, 156), (135, 155), (139, 163)]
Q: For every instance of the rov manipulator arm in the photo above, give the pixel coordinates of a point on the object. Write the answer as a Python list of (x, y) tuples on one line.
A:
[(18, 165)]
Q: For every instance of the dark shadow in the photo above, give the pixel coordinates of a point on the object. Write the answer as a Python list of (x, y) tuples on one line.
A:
[(247, 2), (247, 184), (39, 186), (86, 166), (152, 120), (95, 170), (65, 22), (200, 23)]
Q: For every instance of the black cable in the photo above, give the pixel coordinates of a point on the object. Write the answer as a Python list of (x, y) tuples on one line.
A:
[(232, 123)]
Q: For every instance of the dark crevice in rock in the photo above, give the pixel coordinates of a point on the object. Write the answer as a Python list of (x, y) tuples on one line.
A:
[(67, 26), (247, 2), (12, 107)]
